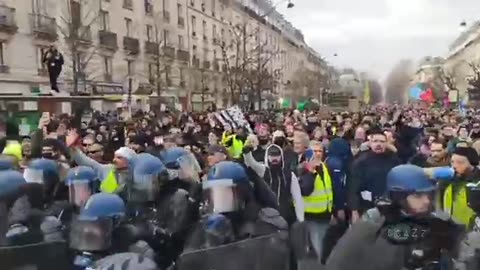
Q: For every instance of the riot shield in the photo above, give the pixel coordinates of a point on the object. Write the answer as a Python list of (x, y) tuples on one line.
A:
[(265, 252), (39, 256)]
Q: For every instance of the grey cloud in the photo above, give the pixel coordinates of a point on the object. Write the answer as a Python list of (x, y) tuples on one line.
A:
[(373, 35)]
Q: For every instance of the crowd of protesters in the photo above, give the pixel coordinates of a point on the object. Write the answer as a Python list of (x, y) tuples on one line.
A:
[(353, 151)]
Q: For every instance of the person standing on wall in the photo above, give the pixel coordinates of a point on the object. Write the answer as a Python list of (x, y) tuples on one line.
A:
[(53, 59)]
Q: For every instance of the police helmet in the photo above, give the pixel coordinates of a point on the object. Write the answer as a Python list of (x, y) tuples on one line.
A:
[(408, 179), (180, 163), (41, 171), (148, 171), (226, 187), (92, 229), (82, 183), (11, 185), (103, 205)]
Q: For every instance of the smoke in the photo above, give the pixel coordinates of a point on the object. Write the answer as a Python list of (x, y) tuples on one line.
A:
[(376, 92), (398, 81)]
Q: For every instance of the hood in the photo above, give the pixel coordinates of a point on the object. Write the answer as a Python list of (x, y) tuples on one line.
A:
[(266, 154), (339, 148)]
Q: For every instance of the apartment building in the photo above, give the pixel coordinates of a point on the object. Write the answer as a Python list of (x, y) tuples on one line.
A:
[(462, 52), (169, 48)]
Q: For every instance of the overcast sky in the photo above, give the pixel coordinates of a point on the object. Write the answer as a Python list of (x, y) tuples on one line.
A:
[(372, 35)]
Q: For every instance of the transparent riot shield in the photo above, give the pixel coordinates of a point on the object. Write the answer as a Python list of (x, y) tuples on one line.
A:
[(265, 252), (40, 256)]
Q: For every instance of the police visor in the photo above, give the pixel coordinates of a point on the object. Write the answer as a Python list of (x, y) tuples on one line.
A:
[(221, 196)]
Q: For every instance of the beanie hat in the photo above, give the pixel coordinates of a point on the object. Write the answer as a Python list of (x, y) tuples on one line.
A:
[(126, 153), (469, 153)]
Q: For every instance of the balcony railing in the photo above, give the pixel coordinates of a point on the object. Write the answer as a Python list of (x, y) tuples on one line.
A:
[(108, 39), (83, 33), (7, 19), (43, 27), (169, 51), (151, 48), (132, 45), (183, 55)]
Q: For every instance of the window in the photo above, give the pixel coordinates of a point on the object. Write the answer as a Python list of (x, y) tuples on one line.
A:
[(168, 70), (128, 26), (151, 73), (194, 26), (128, 4), (204, 28), (40, 53), (180, 41), (213, 7), (203, 6), (166, 37), (179, 9), (130, 67), (148, 7), (194, 22), (39, 7), (104, 20), (214, 31), (149, 33), (181, 72), (222, 34), (107, 65), (165, 5), (192, 3)]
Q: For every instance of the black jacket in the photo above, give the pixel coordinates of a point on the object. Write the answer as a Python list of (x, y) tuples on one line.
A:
[(361, 248), (369, 173)]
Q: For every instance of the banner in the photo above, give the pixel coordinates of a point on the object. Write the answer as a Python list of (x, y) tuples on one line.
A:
[(233, 117)]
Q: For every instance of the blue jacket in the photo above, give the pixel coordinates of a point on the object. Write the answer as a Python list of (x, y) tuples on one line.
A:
[(338, 163)]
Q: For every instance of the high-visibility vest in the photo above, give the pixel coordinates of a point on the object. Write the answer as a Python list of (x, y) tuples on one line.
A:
[(321, 199), (457, 206), (236, 148), (110, 183)]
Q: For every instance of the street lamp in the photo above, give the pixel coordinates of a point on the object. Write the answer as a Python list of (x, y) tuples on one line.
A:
[(289, 5), (463, 26)]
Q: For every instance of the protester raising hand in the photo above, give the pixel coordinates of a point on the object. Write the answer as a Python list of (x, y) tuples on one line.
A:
[(72, 138)]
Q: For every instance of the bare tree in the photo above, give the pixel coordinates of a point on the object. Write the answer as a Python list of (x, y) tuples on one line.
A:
[(474, 83), (74, 25), (311, 82), (448, 79), (245, 57), (260, 73)]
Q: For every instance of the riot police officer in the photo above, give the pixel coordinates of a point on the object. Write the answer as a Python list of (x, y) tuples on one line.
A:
[(384, 237), (230, 207), (96, 234), (25, 239)]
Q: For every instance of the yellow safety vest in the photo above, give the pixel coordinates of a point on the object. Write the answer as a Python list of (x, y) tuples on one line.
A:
[(457, 206), (321, 199), (236, 148), (110, 183)]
